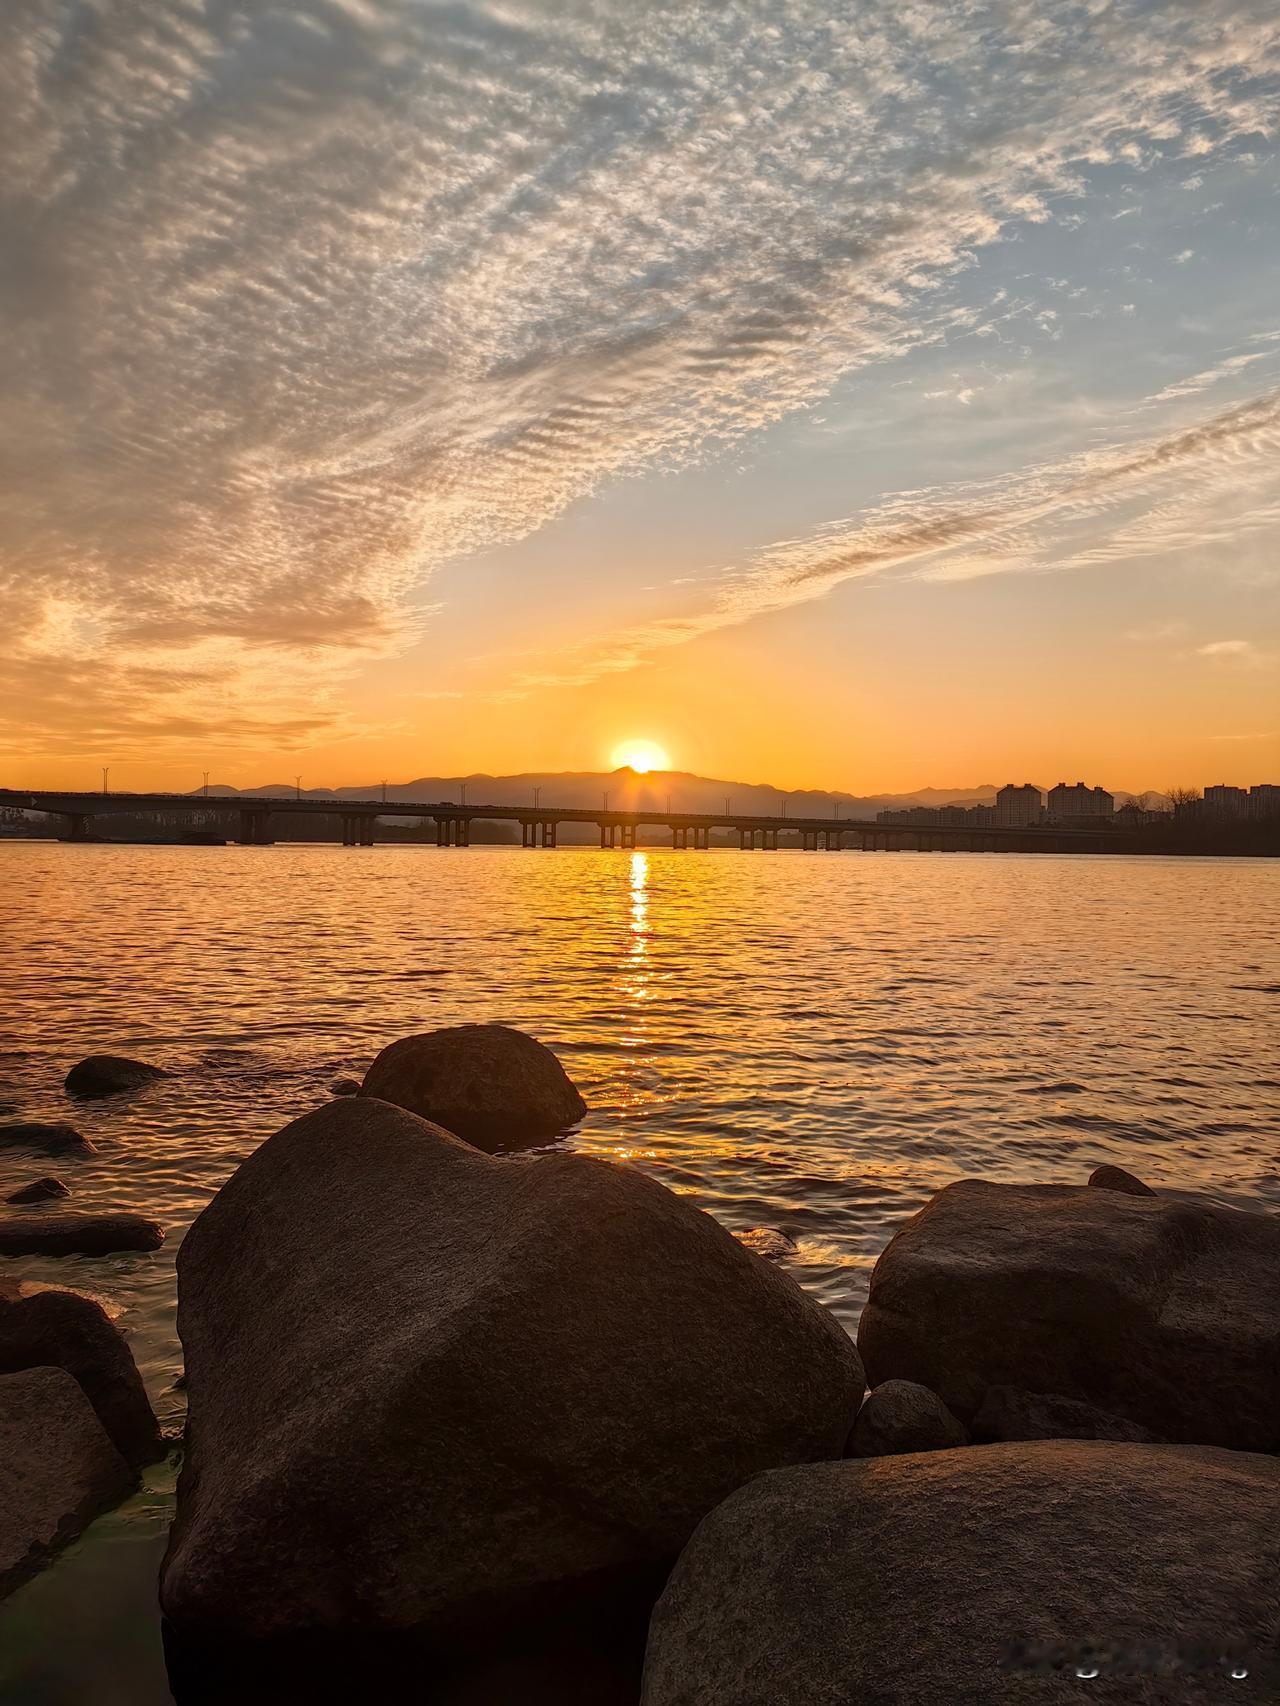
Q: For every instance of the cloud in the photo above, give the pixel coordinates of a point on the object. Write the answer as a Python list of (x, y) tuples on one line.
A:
[(1115, 502), (303, 298)]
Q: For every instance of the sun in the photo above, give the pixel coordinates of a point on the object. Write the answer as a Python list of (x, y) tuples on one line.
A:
[(640, 756)]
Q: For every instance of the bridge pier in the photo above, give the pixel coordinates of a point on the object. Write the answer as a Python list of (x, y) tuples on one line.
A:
[(77, 826), (547, 829), (679, 837), (255, 827)]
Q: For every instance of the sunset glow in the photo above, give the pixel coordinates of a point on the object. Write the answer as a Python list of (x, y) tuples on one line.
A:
[(640, 756)]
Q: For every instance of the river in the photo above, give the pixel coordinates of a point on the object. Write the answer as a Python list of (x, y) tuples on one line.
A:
[(807, 1041)]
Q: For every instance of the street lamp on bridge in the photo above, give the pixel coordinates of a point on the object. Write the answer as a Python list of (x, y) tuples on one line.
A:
[(297, 787), (105, 773)]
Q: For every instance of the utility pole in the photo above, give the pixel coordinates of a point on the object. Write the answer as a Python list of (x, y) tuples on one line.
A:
[(728, 805), (297, 787), (104, 778), (606, 799), (384, 793), (464, 793), (206, 784)]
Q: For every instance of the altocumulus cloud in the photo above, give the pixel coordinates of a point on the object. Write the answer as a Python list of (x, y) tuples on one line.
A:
[(301, 299)]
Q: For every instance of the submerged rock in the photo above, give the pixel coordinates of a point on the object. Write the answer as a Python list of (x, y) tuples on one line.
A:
[(489, 1084), (64, 1330), (58, 1469), (107, 1074), (1008, 1413), (53, 1139), (768, 1242), (1116, 1179), (39, 1190), (946, 1579), (899, 1417), (78, 1234), (345, 1087), (1159, 1311), (434, 1390)]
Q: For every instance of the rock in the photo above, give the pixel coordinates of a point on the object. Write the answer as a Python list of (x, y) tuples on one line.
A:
[(39, 1190), (1158, 1311), (491, 1085), (77, 1234), (1116, 1179), (768, 1242), (899, 1417), (106, 1074), (434, 1390), (933, 1580), (62, 1329), (53, 1139), (58, 1469), (1008, 1413), (345, 1087)]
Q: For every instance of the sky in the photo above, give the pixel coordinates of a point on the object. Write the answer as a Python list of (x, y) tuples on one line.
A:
[(866, 394)]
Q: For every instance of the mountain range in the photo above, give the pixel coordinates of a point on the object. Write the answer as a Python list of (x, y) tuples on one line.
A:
[(632, 790)]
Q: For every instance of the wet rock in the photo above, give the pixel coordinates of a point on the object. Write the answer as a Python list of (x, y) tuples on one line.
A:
[(434, 1390), (1009, 1413), (78, 1234), (899, 1417), (52, 1139), (107, 1074), (345, 1087), (907, 1581), (62, 1329), (1116, 1179), (1159, 1311), (768, 1242), (58, 1469), (491, 1085), (39, 1190)]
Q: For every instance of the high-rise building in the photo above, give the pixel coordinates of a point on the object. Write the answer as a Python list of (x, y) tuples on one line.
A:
[(1074, 802), (1220, 800), (1264, 800), (1018, 805)]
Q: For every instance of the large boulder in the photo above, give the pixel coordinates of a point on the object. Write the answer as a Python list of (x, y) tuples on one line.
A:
[(77, 1234), (436, 1391), (958, 1578), (58, 1469), (108, 1074), (1007, 1412), (49, 1139), (1159, 1311), (493, 1086), (901, 1417), (62, 1329)]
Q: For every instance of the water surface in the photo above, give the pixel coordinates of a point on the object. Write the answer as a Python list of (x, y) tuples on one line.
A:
[(813, 1042)]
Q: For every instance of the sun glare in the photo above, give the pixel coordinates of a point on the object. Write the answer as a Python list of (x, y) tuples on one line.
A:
[(640, 755)]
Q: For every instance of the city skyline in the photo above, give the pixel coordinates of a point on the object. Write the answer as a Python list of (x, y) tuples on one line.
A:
[(854, 391)]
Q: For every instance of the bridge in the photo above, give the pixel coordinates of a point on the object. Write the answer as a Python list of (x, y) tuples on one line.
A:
[(247, 818)]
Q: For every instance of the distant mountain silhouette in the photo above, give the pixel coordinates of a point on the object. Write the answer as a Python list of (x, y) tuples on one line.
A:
[(627, 790)]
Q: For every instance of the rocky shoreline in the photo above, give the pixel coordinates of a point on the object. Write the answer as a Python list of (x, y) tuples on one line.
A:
[(523, 1426)]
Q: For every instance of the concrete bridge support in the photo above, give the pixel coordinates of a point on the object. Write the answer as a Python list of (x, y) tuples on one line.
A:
[(255, 828), (453, 832), (679, 837), (702, 838), (77, 826), (547, 833)]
